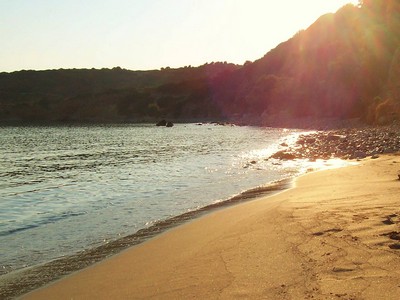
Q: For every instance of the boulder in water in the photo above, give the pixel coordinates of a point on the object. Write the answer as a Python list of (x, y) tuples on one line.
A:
[(283, 155), (162, 123)]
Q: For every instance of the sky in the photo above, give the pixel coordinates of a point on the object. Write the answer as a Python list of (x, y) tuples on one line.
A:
[(147, 34)]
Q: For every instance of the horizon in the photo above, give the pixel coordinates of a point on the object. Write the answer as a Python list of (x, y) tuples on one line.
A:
[(148, 35)]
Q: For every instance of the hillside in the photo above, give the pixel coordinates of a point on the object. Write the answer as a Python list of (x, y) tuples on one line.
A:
[(108, 95), (345, 65)]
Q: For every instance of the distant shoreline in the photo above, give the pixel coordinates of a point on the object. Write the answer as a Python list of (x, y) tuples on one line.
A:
[(273, 122)]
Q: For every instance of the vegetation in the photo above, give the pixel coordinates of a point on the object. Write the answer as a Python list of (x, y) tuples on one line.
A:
[(345, 65), (115, 95)]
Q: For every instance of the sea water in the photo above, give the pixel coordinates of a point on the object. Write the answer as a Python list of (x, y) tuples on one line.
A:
[(64, 189)]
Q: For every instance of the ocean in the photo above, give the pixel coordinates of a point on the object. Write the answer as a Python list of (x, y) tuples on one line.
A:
[(67, 189)]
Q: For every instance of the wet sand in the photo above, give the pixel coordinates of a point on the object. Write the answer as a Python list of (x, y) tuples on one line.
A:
[(335, 235)]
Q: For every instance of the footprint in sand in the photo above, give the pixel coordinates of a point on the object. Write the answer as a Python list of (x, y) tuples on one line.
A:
[(391, 219), (393, 235), (333, 230), (341, 270), (394, 246)]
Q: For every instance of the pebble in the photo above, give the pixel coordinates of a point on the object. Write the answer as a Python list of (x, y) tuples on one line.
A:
[(348, 143)]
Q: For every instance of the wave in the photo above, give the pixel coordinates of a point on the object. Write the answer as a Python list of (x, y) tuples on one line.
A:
[(48, 220)]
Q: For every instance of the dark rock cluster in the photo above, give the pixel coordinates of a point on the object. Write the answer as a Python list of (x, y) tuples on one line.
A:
[(165, 123), (349, 143)]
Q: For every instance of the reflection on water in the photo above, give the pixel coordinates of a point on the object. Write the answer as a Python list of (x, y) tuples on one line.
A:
[(68, 188)]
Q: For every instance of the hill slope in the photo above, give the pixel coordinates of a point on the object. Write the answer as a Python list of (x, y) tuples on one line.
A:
[(345, 65)]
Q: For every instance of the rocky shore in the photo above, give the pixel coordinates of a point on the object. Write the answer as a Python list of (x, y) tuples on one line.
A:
[(348, 143)]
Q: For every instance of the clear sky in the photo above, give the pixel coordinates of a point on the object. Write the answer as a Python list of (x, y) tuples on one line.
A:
[(147, 34)]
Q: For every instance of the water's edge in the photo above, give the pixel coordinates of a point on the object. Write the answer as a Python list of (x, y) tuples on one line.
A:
[(22, 281)]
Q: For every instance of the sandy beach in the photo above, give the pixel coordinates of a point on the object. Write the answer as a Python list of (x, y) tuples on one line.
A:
[(334, 235)]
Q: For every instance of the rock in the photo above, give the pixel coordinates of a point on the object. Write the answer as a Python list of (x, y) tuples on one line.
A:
[(165, 123), (333, 137), (349, 143), (283, 155), (359, 154), (310, 140), (284, 145), (301, 142), (162, 123), (223, 123)]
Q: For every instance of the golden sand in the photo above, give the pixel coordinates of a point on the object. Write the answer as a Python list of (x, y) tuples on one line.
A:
[(335, 235)]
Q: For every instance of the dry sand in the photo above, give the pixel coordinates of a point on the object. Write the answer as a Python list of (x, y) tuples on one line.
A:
[(332, 236)]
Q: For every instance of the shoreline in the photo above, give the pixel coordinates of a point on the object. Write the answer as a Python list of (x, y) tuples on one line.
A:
[(333, 236), (21, 281)]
